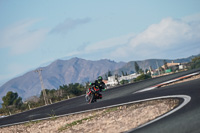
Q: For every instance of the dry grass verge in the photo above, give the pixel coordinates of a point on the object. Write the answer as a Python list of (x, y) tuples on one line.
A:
[(116, 119)]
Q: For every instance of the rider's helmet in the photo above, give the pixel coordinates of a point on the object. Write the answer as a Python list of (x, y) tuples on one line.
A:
[(100, 78), (90, 84)]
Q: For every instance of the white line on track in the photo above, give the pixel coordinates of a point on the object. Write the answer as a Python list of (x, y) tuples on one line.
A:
[(184, 97), (167, 82), (186, 101)]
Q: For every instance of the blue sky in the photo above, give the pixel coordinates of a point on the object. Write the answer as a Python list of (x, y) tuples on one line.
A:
[(36, 32)]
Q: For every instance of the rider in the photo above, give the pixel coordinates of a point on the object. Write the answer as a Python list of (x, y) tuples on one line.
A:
[(99, 84)]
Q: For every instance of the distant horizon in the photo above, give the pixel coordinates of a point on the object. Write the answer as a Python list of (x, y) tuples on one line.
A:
[(35, 32), (47, 64)]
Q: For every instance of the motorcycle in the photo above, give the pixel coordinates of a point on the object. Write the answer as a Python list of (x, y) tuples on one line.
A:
[(92, 95)]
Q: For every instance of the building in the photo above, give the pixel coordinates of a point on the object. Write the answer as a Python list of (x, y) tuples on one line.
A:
[(183, 66), (112, 81), (171, 65), (115, 80), (128, 77), (175, 66)]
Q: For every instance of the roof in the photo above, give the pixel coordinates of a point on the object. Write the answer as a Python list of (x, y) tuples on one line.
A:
[(171, 64)]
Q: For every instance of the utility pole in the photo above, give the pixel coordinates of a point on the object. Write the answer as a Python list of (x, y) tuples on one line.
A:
[(144, 68), (158, 68), (42, 85), (150, 69)]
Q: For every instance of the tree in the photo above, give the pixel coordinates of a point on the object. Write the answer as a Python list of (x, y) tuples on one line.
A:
[(116, 78), (196, 59), (195, 63), (109, 73), (124, 82), (137, 68), (146, 70), (106, 77), (141, 71), (143, 77), (12, 98), (123, 73), (161, 69), (165, 64)]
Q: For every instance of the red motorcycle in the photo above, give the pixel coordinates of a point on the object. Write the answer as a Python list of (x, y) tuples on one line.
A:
[(92, 95)]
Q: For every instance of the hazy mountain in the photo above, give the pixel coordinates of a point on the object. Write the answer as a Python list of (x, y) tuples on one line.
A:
[(58, 73), (145, 64), (74, 70)]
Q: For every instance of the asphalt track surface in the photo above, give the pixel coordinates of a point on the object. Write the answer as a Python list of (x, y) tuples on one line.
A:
[(185, 120)]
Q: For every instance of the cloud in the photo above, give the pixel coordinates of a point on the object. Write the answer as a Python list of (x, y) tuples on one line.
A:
[(19, 38), (170, 39), (192, 18), (68, 25), (109, 43), (102, 46)]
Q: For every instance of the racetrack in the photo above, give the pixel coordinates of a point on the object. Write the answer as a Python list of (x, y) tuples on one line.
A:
[(185, 120), (125, 94)]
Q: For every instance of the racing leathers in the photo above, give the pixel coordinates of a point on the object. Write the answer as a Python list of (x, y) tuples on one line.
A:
[(99, 84)]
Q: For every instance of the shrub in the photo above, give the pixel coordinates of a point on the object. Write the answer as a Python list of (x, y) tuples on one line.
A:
[(143, 77)]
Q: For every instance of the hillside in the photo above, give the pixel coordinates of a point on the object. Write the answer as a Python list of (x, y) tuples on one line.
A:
[(145, 64), (74, 70), (59, 72)]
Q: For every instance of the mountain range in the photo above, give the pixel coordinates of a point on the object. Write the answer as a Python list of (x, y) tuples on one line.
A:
[(75, 70), (146, 64), (58, 73)]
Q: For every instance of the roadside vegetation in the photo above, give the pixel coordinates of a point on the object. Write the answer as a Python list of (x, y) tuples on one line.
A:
[(115, 119), (195, 63), (12, 103), (74, 123), (142, 77)]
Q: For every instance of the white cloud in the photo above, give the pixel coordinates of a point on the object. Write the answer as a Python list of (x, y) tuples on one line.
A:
[(168, 32), (104, 45), (19, 37), (192, 18), (167, 39), (170, 38), (69, 24), (113, 42)]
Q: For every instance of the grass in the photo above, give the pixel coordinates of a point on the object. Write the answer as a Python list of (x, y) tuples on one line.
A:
[(75, 123), (111, 109), (86, 119), (30, 123), (52, 115)]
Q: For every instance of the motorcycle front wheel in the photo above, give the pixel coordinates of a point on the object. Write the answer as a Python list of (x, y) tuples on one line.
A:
[(91, 98), (87, 98)]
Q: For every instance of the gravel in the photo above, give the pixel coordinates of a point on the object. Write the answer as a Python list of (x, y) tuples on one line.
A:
[(117, 119)]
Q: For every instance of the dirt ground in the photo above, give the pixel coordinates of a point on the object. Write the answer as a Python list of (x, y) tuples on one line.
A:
[(111, 120), (185, 80)]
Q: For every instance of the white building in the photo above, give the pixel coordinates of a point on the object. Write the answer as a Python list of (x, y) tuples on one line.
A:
[(114, 80), (128, 77)]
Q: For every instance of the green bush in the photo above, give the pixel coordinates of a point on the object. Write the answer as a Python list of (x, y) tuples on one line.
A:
[(124, 82), (195, 63), (142, 77)]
